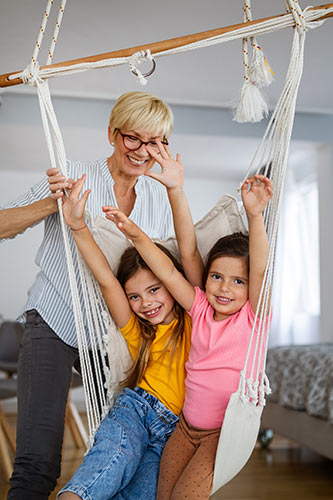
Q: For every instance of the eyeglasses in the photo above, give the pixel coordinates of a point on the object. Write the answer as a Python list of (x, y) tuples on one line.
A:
[(133, 143)]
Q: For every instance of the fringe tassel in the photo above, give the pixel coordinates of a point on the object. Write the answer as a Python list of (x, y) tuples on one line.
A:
[(260, 72), (251, 107)]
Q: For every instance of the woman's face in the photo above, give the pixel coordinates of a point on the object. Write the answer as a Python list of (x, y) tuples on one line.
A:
[(132, 163)]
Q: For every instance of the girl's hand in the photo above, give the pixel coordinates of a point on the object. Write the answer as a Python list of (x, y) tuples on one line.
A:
[(172, 170), (123, 223), (58, 183), (258, 195), (74, 206)]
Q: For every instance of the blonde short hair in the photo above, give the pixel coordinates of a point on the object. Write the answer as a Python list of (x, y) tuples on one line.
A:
[(135, 110)]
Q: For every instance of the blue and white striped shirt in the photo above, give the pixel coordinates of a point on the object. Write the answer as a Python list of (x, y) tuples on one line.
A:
[(50, 293)]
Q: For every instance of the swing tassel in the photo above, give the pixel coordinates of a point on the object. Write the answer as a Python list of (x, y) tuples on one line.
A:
[(251, 107), (260, 72)]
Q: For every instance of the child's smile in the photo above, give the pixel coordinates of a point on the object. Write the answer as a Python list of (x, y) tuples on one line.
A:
[(227, 287), (149, 299)]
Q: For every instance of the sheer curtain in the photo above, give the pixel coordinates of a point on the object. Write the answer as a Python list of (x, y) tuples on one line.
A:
[(296, 295)]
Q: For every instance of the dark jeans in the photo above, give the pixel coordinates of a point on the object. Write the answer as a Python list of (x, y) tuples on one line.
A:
[(44, 377)]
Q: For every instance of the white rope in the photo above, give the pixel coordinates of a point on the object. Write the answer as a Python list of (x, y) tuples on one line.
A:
[(41, 32), (274, 148), (251, 106), (56, 31), (268, 26), (279, 133), (83, 294)]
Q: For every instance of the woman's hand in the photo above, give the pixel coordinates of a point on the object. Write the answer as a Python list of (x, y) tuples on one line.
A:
[(257, 196), (58, 183), (74, 206), (172, 170), (123, 223)]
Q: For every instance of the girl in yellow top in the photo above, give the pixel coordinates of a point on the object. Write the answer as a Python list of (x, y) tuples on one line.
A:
[(124, 460)]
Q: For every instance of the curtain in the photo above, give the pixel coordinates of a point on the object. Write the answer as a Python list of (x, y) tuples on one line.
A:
[(296, 292)]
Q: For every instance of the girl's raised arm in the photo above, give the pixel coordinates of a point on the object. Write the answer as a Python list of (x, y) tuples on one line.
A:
[(111, 289), (256, 193), (172, 177), (158, 262)]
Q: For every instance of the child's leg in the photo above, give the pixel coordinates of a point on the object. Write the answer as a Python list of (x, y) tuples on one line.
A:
[(176, 455), (144, 482), (120, 443), (196, 480), (161, 423)]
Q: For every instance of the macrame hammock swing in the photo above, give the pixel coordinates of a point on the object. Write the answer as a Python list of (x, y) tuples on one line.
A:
[(96, 331)]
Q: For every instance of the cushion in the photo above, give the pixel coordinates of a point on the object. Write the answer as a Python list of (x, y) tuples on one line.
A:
[(224, 218)]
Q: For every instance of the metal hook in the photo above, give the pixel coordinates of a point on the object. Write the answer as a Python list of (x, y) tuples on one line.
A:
[(150, 72)]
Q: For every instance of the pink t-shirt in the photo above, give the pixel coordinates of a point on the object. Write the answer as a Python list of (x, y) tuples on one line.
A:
[(217, 355)]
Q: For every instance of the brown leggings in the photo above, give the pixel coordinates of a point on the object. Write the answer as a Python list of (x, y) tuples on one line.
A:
[(187, 464)]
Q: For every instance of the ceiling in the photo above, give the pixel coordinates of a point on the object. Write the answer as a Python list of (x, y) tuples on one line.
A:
[(211, 76)]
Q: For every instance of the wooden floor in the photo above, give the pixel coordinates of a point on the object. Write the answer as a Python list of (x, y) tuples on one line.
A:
[(284, 472)]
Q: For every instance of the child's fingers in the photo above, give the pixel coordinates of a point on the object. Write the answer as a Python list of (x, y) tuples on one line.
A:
[(245, 186), (263, 179), (107, 208), (85, 195), (77, 187)]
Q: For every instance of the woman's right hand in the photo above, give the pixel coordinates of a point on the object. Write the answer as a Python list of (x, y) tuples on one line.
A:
[(58, 183), (172, 169), (74, 205)]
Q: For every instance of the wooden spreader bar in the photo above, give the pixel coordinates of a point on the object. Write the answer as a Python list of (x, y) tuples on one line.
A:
[(156, 47)]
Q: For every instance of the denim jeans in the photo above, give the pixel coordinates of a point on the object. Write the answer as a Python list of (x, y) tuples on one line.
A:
[(124, 460)]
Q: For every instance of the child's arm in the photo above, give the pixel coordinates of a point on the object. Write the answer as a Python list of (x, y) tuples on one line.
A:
[(158, 262), (172, 177), (111, 289), (255, 199)]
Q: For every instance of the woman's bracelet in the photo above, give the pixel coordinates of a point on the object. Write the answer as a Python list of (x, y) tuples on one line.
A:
[(79, 228)]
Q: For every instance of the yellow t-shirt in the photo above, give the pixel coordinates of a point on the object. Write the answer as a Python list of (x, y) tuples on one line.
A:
[(168, 385)]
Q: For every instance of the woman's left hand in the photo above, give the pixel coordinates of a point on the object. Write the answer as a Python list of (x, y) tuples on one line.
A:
[(258, 195), (172, 170)]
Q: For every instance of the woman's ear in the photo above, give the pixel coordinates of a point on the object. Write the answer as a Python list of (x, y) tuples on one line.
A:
[(110, 136)]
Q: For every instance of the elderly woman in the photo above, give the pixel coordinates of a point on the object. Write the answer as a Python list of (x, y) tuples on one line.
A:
[(49, 349)]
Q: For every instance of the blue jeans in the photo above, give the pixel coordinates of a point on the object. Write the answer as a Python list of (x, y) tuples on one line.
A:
[(124, 461)]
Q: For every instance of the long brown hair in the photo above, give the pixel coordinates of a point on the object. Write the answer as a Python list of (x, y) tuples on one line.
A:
[(130, 263)]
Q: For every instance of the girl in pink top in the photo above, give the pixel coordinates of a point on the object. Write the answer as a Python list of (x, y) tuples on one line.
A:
[(222, 318)]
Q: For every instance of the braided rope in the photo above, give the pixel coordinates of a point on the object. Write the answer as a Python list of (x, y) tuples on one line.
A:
[(275, 153), (56, 31), (41, 32), (274, 148), (284, 21)]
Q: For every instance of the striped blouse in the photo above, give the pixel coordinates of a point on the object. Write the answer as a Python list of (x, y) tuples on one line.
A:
[(50, 293)]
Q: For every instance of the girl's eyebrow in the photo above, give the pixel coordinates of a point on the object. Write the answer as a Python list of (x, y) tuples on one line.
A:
[(158, 283)]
